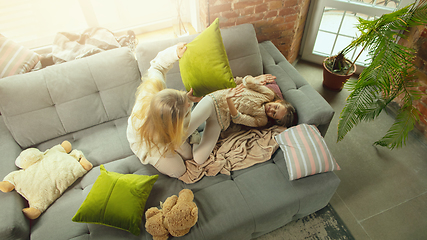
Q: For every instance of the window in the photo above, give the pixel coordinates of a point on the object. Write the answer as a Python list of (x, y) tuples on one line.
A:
[(337, 30), (34, 23), (332, 26)]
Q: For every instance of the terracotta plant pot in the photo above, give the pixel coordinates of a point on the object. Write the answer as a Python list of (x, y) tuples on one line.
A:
[(333, 81)]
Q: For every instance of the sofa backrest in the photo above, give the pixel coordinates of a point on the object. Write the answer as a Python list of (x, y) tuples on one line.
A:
[(79, 94), (68, 97), (240, 43)]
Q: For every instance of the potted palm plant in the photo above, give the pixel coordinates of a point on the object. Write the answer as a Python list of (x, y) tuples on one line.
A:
[(336, 71), (390, 74)]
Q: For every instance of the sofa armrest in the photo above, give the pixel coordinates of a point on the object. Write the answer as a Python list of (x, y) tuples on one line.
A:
[(14, 225), (311, 107)]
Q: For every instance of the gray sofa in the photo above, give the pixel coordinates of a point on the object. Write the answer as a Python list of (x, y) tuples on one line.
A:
[(87, 102)]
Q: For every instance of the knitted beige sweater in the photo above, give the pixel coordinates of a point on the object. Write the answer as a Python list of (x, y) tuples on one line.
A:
[(250, 105)]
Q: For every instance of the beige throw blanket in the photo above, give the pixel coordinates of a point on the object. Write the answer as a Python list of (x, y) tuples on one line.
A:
[(68, 46), (236, 149)]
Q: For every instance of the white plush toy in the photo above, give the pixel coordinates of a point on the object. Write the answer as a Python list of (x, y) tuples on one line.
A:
[(45, 176)]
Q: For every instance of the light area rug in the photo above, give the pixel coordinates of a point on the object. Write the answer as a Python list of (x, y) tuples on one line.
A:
[(324, 224)]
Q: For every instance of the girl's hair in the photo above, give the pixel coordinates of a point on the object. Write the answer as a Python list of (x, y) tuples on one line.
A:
[(164, 113), (288, 118)]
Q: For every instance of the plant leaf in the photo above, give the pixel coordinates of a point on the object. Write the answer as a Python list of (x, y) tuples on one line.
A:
[(389, 75), (397, 135)]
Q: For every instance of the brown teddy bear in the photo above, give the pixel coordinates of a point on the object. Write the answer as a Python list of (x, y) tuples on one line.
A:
[(154, 224), (176, 216), (45, 175)]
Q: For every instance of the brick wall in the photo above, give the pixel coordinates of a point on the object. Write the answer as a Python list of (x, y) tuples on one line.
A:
[(421, 63), (280, 21), (417, 38)]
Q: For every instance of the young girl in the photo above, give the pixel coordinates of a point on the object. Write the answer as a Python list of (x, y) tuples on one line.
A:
[(251, 103), (158, 124)]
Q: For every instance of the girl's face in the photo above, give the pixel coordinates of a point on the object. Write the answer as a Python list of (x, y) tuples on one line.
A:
[(275, 110)]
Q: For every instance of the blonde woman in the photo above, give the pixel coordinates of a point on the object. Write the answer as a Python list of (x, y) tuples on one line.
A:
[(251, 104), (157, 127)]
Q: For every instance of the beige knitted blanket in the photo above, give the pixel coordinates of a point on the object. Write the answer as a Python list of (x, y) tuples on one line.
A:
[(236, 149)]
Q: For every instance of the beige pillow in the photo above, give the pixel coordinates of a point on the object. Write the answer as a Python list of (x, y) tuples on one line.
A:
[(14, 58)]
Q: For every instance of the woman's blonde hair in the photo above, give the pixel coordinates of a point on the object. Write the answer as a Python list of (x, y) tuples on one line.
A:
[(163, 113)]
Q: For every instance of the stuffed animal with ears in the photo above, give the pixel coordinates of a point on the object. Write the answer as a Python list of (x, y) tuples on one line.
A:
[(44, 176), (176, 216)]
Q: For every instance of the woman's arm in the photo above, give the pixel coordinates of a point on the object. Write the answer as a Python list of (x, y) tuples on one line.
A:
[(192, 97), (154, 80), (164, 61)]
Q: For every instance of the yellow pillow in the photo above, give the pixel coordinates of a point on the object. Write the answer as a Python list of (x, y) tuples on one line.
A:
[(204, 66), (116, 200)]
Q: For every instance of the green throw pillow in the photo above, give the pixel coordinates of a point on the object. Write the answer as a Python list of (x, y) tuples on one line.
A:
[(117, 200), (204, 66)]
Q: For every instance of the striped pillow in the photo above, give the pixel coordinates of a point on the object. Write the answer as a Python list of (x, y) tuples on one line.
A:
[(15, 59), (305, 151)]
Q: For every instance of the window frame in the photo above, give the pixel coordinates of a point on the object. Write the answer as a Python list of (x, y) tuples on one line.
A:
[(315, 16)]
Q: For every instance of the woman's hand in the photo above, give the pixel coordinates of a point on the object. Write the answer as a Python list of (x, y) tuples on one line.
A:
[(192, 97), (235, 92), (180, 49), (264, 79)]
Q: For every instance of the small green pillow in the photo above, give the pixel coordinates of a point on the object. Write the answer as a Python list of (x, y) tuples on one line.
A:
[(204, 66), (117, 200)]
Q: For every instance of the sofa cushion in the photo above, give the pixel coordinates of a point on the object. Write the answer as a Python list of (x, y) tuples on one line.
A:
[(240, 44), (306, 152), (117, 200), (223, 209), (204, 66), (261, 188), (68, 97)]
